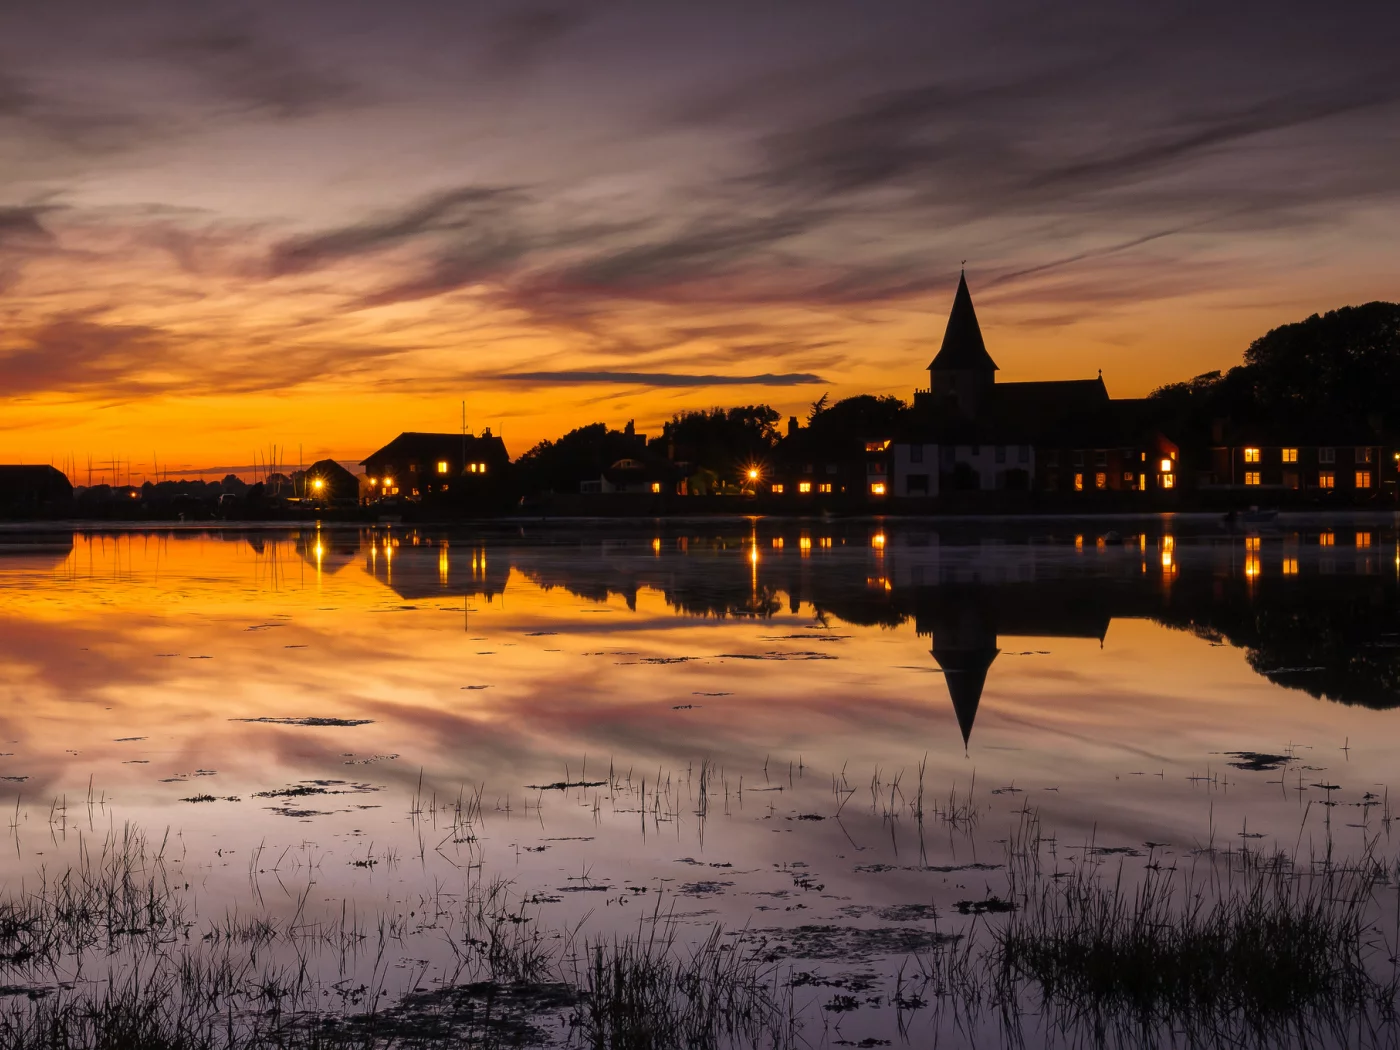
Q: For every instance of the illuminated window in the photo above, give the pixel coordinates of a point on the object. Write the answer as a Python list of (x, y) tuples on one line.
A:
[(413, 468), (1166, 481), (1251, 455), (1252, 477), (1100, 480), (1079, 483), (481, 468), (1327, 539), (1290, 455), (825, 486), (1363, 479), (876, 446), (804, 486), (1326, 479), (1142, 482), (777, 490), (1290, 566), (877, 489), (442, 466), (1363, 455), (1128, 476), (1166, 466), (1363, 539), (471, 467), (656, 486)]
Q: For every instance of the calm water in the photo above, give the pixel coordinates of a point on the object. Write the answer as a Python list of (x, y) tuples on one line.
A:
[(1113, 679)]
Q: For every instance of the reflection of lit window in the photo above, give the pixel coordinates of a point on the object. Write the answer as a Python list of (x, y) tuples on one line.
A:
[(877, 489), (804, 543), (1290, 455), (878, 541), (442, 466), (1251, 477), (1363, 479), (656, 486), (1251, 543), (777, 541), (1326, 540), (1251, 566), (1251, 455), (1326, 479), (1079, 483), (804, 486), (825, 486), (1100, 480), (826, 541), (777, 490), (1290, 566), (1079, 542), (656, 546), (1363, 539)]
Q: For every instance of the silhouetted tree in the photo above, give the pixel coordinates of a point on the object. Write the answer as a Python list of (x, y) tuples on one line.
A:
[(860, 418), (559, 466), (724, 441)]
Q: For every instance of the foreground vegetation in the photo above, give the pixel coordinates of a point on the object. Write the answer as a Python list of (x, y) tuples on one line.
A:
[(1236, 948)]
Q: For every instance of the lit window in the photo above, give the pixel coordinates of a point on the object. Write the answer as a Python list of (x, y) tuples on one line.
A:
[(1290, 566), (1079, 483), (804, 486), (656, 486), (1100, 480), (1142, 482), (1166, 481), (1252, 477), (1363, 479), (1251, 455), (1326, 479), (877, 489), (876, 446), (1363, 539), (1290, 455), (442, 466), (471, 467), (1166, 466), (825, 486), (777, 490), (1363, 455), (1128, 476), (1327, 539), (481, 468)]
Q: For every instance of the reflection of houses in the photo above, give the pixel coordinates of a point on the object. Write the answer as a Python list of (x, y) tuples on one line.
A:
[(414, 566), (416, 465), (970, 433)]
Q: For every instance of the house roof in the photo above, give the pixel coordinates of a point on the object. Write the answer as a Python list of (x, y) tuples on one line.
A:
[(428, 446), (13, 476), (962, 347)]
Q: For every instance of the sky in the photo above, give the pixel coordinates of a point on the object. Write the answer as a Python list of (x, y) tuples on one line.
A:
[(316, 224)]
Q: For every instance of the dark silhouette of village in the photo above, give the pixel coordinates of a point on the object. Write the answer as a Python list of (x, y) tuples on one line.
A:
[(1309, 419)]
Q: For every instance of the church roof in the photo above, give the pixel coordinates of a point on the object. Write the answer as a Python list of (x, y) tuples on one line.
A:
[(962, 339)]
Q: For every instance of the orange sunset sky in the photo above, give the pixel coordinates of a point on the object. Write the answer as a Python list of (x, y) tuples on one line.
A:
[(319, 224)]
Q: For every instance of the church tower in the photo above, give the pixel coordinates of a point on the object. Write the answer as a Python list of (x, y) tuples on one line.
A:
[(962, 373)]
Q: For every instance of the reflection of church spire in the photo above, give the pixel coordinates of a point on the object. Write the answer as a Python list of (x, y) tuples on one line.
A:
[(965, 671)]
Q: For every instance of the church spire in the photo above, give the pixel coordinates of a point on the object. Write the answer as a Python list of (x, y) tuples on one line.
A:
[(963, 348)]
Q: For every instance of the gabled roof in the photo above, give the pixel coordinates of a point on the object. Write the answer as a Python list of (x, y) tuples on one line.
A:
[(963, 347), (427, 446)]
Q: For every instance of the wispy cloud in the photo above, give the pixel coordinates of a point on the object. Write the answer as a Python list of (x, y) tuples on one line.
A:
[(656, 379)]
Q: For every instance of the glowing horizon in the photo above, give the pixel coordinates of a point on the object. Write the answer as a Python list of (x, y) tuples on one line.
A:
[(319, 228)]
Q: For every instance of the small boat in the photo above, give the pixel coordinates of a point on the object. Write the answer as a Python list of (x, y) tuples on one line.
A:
[(1255, 516)]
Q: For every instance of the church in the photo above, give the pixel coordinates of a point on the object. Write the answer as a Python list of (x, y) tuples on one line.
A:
[(970, 433)]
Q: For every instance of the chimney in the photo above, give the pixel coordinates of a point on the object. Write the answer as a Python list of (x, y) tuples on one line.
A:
[(630, 428), (792, 425)]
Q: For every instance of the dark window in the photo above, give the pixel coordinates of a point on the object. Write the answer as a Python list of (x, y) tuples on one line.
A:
[(1001, 453), (1023, 453), (1101, 458), (918, 483), (916, 453)]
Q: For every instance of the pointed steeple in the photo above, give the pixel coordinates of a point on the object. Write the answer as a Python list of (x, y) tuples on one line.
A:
[(963, 348)]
